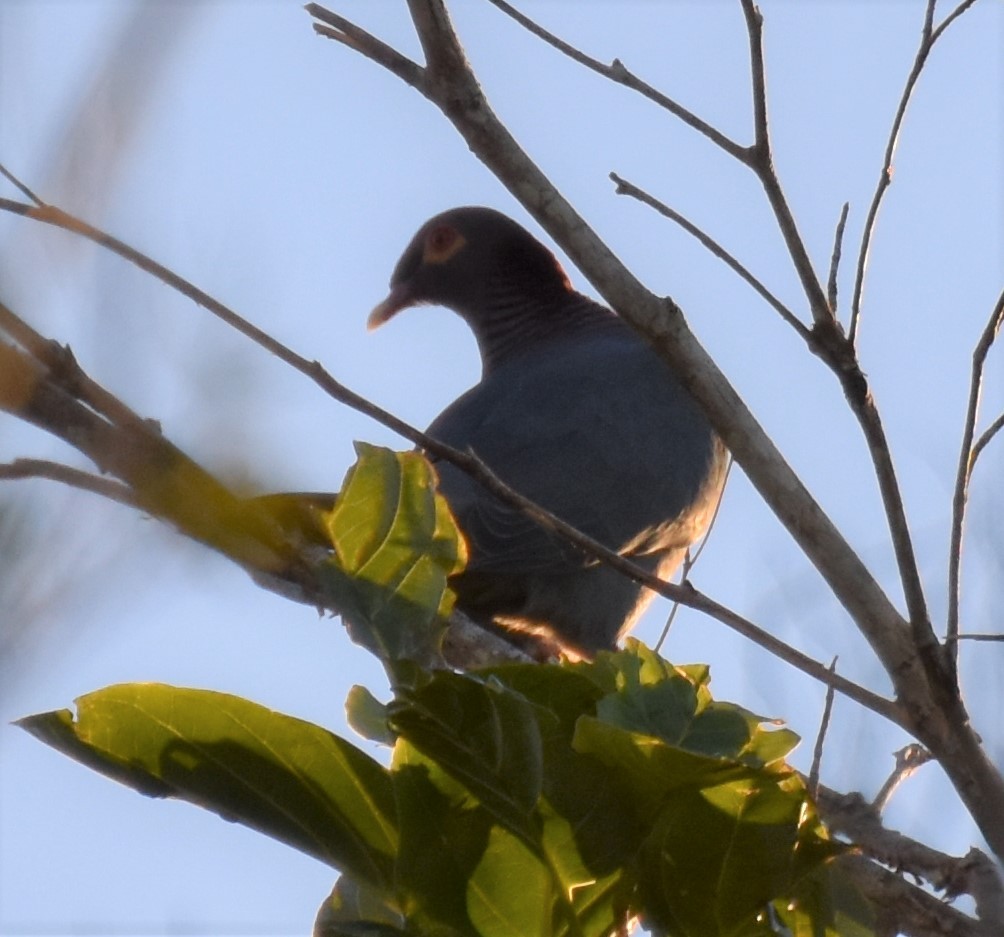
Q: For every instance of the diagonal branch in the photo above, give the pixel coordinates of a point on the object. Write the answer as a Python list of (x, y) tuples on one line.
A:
[(617, 72), (628, 188), (838, 353), (826, 338), (968, 454), (928, 37)]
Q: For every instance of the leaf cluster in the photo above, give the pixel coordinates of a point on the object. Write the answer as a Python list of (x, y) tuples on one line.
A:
[(524, 799)]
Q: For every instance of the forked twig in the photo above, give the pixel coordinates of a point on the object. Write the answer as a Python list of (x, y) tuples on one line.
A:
[(629, 188), (617, 72), (968, 454)]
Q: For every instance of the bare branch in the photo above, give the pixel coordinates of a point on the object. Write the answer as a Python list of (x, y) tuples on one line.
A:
[(928, 37), (902, 908), (974, 874), (63, 367), (67, 475), (763, 166), (988, 434), (348, 34), (838, 245), (968, 454), (19, 185), (824, 723), (617, 72), (628, 188), (908, 761)]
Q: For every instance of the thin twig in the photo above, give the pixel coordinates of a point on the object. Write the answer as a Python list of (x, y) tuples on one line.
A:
[(908, 760), (928, 37), (838, 246), (691, 557), (824, 724), (992, 430), (75, 478), (19, 185), (349, 34), (617, 72), (763, 166), (629, 188), (968, 454)]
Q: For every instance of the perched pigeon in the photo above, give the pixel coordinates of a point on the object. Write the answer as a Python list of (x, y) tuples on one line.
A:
[(574, 411)]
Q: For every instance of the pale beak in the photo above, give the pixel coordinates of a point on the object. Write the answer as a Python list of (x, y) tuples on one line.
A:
[(397, 299)]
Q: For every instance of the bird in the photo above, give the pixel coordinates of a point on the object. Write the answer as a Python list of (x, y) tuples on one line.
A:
[(575, 411)]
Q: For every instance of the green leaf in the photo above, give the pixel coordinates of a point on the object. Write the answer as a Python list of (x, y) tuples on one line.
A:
[(368, 716), (395, 545), (287, 778), (354, 910), (444, 833), (484, 735), (511, 893), (717, 856), (649, 695), (827, 903)]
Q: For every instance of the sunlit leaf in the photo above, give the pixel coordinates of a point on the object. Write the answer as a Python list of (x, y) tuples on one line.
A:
[(282, 776), (395, 545)]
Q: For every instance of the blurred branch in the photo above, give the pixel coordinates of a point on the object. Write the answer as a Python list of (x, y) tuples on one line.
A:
[(936, 716), (968, 454), (903, 908), (67, 475)]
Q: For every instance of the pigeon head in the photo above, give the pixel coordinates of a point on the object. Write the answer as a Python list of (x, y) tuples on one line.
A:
[(508, 286), (468, 259)]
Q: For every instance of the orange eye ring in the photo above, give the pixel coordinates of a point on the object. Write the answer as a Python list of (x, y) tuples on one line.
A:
[(442, 243)]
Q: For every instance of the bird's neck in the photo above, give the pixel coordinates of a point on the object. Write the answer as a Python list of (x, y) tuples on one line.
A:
[(519, 325)]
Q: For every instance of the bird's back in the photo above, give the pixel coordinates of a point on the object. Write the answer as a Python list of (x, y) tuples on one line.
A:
[(594, 427)]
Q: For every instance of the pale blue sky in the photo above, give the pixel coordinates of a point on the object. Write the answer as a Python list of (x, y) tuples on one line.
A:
[(284, 174)]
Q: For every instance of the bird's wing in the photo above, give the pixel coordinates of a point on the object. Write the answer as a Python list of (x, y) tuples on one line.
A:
[(600, 433)]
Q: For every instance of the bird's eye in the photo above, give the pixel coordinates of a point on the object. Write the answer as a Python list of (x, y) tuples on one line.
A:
[(441, 243)]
